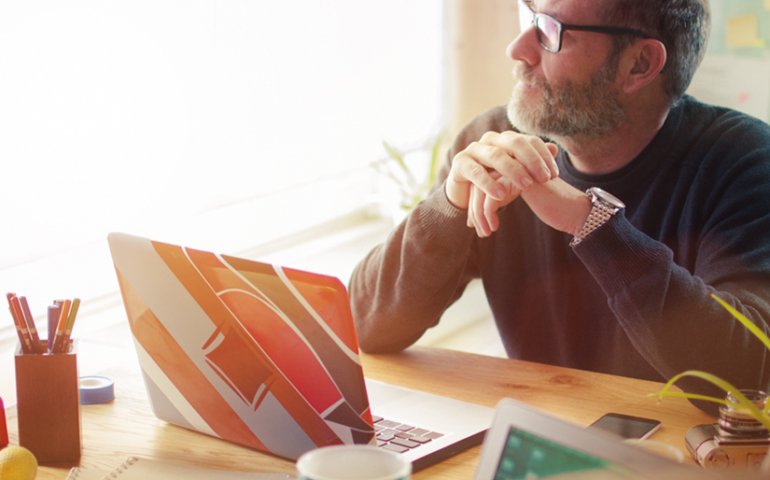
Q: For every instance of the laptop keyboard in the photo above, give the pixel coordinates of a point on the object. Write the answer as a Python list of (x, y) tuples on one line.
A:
[(400, 437)]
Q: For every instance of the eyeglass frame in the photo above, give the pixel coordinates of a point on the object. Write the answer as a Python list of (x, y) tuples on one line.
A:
[(562, 27)]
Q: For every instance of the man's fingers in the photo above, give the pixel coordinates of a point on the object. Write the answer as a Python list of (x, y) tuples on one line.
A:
[(470, 170), (536, 156), (553, 149), (521, 159), (490, 214), (476, 212)]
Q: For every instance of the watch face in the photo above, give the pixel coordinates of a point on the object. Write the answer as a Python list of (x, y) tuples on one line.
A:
[(608, 197)]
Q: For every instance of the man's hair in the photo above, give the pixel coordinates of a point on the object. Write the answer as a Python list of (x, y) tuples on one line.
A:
[(683, 26)]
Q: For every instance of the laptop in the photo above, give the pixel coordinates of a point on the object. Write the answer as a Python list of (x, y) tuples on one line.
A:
[(267, 357), (525, 443)]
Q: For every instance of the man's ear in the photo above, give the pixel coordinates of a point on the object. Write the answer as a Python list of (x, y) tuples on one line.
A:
[(645, 60)]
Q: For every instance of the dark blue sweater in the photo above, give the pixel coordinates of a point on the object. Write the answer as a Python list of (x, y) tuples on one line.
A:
[(632, 299)]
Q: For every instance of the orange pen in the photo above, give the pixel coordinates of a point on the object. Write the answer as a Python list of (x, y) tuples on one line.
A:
[(70, 323), (61, 326)]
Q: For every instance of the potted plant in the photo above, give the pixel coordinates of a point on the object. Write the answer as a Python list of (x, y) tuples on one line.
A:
[(744, 403), (411, 173)]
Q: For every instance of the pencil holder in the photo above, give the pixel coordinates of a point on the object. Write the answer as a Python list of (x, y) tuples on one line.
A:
[(48, 406)]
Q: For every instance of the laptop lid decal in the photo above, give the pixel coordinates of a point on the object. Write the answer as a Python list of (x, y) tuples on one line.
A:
[(275, 367)]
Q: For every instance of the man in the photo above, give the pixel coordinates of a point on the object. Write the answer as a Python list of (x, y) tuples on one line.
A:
[(616, 280)]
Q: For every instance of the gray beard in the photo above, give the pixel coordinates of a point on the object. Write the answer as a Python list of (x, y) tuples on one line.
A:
[(591, 110)]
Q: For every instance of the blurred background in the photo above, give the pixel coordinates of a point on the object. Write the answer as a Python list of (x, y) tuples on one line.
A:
[(253, 128)]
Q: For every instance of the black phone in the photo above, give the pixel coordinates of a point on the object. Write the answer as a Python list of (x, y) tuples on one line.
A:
[(627, 426)]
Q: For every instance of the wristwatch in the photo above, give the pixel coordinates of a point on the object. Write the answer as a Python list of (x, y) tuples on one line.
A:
[(604, 206)]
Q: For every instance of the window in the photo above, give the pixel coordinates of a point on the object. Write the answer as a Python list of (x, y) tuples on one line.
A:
[(213, 123)]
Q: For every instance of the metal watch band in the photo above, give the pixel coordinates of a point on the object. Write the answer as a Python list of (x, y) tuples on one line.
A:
[(599, 215), (601, 212)]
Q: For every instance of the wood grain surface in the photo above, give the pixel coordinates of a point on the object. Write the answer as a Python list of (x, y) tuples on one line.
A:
[(127, 427)]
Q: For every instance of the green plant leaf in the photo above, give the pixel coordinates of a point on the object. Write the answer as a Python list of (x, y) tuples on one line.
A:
[(396, 155), (750, 326), (412, 191), (434, 161), (724, 385), (743, 402), (693, 396), (745, 321)]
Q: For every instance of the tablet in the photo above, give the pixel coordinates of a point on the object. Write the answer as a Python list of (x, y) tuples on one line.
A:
[(524, 443)]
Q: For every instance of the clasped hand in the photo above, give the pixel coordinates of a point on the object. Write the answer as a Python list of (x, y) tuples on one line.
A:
[(494, 171)]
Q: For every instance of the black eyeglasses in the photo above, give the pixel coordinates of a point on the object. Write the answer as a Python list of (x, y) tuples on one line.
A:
[(549, 30)]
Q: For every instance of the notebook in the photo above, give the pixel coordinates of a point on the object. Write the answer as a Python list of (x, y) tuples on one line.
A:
[(135, 468), (267, 357), (524, 443), (82, 473)]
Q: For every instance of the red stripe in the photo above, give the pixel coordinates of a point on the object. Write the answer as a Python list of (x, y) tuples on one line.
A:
[(333, 308)]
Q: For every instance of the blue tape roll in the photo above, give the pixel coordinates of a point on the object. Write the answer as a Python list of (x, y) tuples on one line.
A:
[(94, 389)]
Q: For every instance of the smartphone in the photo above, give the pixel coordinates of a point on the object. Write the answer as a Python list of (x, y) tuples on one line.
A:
[(627, 426)]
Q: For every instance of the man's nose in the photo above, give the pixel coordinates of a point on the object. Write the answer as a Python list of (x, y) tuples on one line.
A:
[(525, 46)]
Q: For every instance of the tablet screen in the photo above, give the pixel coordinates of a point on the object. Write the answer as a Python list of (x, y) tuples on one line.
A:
[(527, 456)]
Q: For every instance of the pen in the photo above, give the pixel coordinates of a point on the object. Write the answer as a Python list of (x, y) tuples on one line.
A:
[(21, 325), (63, 347), (61, 325), (53, 319), (33, 336), (16, 322)]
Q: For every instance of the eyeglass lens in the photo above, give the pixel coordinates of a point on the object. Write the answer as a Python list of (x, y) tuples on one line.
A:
[(526, 16), (548, 33), (548, 30)]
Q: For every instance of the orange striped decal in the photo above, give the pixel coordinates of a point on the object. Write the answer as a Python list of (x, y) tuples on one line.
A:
[(294, 403), (178, 367)]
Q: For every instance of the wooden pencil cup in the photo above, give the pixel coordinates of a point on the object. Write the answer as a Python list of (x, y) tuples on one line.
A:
[(48, 406)]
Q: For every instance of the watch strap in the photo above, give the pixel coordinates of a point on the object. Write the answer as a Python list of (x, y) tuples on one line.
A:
[(603, 207), (599, 215)]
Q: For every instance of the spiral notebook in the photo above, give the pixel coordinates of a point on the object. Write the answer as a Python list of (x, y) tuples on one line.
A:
[(81, 473), (135, 468)]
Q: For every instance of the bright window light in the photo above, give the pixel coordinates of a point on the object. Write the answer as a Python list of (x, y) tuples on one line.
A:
[(121, 115)]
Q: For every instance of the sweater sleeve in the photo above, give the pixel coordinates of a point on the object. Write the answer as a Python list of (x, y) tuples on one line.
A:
[(664, 303), (402, 287)]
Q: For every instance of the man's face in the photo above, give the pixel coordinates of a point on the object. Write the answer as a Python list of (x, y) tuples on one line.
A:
[(567, 93)]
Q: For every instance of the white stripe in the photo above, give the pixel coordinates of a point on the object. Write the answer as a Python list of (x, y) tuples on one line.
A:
[(333, 407), (172, 393), (350, 353)]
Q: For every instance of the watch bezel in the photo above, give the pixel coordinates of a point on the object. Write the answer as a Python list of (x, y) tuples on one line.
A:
[(606, 197)]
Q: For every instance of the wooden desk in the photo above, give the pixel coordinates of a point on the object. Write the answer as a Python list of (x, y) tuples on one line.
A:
[(114, 431)]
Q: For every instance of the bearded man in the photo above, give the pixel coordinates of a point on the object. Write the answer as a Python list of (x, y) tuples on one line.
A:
[(606, 207)]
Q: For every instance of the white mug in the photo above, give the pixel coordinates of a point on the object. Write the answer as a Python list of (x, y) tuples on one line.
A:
[(352, 462)]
